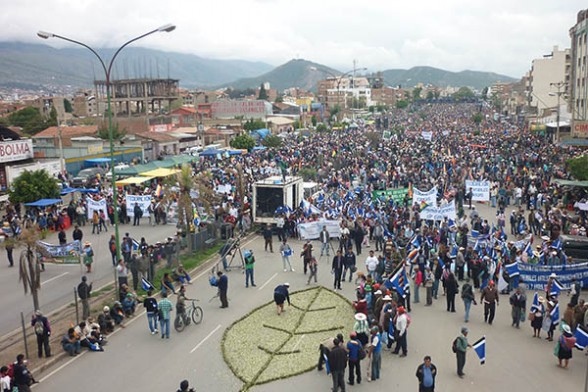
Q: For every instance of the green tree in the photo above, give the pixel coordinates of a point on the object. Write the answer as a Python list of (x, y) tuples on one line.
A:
[(372, 109), (307, 173), (243, 142), (463, 93), (579, 167), (33, 185), (67, 105), (272, 141), (52, 117), (253, 125), (262, 93), (279, 99), (297, 124), (321, 127), (30, 120), (430, 95), (477, 118), (401, 104), (117, 133), (416, 93), (314, 120)]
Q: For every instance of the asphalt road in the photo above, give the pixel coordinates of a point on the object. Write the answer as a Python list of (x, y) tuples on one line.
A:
[(135, 360), (58, 281)]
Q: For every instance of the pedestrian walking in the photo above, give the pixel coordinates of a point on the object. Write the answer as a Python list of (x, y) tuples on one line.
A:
[(62, 237), (22, 378), (354, 347), (9, 246), (337, 363), (417, 280), (223, 288), (268, 238), (350, 264), (426, 373), (401, 325), (77, 234), (164, 308), (451, 290), (249, 263), (429, 279), (137, 214), (306, 254), (84, 292), (375, 354), (337, 269), (42, 330), (150, 305), (88, 253), (313, 268), (281, 295), (112, 248), (286, 252), (460, 346), (324, 237), (564, 346), (518, 303), (490, 300), (467, 295)]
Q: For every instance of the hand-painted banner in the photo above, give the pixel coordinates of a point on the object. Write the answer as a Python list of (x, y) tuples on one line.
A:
[(535, 276), (480, 190), (439, 213), (429, 197), (222, 189), (96, 205), (66, 254), (311, 230), (143, 200)]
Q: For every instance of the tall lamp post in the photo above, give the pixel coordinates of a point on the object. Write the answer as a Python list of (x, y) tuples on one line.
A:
[(107, 73), (559, 93)]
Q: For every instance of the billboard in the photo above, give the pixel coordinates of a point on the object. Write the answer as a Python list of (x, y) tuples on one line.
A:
[(16, 150), (230, 109), (580, 128)]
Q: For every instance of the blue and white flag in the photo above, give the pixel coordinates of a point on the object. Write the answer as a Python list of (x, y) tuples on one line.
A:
[(453, 253), (556, 288), (480, 349), (535, 306), (451, 224), (475, 233), (513, 269), (529, 249), (146, 285), (554, 314), (581, 338), (415, 242), (394, 283), (135, 246)]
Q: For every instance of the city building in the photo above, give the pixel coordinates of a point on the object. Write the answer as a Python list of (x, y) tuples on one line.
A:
[(13, 150), (578, 83)]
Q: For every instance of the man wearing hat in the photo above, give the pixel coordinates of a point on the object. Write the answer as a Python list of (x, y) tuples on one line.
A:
[(567, 341), (42, 329), (461, 345), (460, 263), (361, 328), (325, 348)]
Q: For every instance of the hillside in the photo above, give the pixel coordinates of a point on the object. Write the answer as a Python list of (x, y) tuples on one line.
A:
[(441, 78), (295, 73), (33, 65)]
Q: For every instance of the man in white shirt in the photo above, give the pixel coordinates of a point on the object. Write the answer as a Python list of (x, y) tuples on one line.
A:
[(371, 264), (401, 326)]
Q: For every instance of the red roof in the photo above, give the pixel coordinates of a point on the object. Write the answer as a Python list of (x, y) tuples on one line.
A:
[(68, 132)]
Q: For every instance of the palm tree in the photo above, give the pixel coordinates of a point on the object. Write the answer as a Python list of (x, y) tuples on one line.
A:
[(29, 270)]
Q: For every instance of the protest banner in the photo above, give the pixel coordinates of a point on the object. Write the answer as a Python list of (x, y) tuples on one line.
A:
[(311, 230), (223, 189), (143, 200), (96, 205), (427, 135), (439, 213), (429, 197), (60, 254), (480, 190), (535, 276), (395, 194)]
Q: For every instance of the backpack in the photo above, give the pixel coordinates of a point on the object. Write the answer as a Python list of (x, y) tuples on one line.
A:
[(361, 353), (454, 345), (39, 327)]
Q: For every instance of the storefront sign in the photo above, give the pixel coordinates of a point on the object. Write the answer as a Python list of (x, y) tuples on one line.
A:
[(16, 150)]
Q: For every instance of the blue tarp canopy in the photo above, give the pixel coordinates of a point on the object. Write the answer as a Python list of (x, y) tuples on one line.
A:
[(67, 191), (234, 152), (210, 152), (95, 161), (261, 133), (259, 148), (43, 203), (84, 190)]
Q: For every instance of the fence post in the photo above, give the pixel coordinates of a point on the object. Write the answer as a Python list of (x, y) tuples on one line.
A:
[(24, 335), (77, 306)]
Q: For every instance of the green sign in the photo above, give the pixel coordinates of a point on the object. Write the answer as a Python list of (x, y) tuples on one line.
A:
[(395, 194), (387, 135)]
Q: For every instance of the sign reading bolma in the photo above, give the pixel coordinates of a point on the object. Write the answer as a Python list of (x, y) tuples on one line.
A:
[(16, 150)]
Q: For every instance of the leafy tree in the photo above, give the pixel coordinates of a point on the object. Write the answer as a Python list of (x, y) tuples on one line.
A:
[(430, 95), (30, 120), (262, 93), (477, 118), (308, 173), (335, 110), (117, 133), (321, 127), (279, 99), (253, 125), (272, 141), (579, 167), (237, 93), (416, 93), (52, 117), (463, 93), (67, 105), (401, 104), (33, 185), (373, 138), (29, 271), (314, 120), (372, 109), (297, 124), (243, 142)]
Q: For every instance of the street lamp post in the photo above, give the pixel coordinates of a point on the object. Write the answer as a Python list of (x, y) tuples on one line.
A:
[(559, 93), (107, 73)]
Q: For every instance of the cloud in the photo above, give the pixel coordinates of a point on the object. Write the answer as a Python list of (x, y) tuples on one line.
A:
[(501, 36)]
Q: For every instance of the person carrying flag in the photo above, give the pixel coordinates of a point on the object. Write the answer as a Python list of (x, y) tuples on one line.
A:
[(460, 348)]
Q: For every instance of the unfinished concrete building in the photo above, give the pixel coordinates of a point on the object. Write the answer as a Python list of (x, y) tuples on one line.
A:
[(138, 97)]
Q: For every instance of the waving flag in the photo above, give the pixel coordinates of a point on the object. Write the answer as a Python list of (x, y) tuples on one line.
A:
[(581, 338), (396, 283), (475, 233), (529, 249), (146, 285), (453, 253), (556, 287), (441, 263), (535, 306), (416, 242), (424, 205), (480, 349), (451, 224), (513, 269), (554, 314)]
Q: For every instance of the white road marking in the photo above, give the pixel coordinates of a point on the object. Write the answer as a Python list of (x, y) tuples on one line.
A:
[(59, 368), (269, 280), (53, 278), (205, 339)]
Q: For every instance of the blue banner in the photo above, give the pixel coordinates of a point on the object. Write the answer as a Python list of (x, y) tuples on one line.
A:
[(66, 254), (535, 276)]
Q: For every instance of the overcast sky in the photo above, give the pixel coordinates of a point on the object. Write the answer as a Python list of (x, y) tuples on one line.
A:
[(501, 36)]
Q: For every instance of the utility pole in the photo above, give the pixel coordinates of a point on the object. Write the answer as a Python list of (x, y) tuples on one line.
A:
[(559, 93)]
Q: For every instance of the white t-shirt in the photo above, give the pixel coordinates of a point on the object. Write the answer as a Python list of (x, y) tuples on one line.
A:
[(5, 383), (371, 263)]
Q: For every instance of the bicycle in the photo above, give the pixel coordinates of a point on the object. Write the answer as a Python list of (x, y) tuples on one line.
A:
[(191, 314)]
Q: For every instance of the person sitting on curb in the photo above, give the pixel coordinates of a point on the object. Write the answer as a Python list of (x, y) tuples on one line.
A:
[(71, 343), (105, 321)]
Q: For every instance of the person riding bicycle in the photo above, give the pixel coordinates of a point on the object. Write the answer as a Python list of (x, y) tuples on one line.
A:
[(181, 302)]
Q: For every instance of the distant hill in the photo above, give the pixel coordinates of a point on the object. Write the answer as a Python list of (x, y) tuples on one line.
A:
[(32, 65), (441, 78), (295, 73)]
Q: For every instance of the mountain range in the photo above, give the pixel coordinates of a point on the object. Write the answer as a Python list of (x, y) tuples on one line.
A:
[(34, 66)]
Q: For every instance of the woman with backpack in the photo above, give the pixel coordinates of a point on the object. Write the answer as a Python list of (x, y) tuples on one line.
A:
[(467, 295)]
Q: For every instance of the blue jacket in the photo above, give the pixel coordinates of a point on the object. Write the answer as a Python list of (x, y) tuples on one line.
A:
[(283, 290), (353, 347), (223, 283)]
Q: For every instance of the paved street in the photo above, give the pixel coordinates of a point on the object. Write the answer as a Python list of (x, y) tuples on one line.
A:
[(58, 281), (515, 360)]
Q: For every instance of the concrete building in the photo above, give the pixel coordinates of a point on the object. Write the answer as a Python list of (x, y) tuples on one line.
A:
[(578, 83), (545, 73)]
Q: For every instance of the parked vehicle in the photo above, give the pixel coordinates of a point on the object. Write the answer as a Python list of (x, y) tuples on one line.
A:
[(86, 178)]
